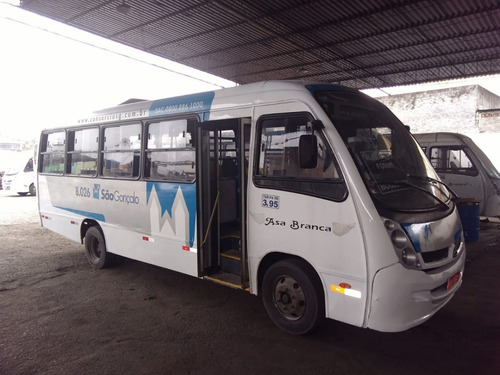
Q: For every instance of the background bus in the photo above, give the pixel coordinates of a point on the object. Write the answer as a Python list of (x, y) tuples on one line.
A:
[(463, 166), (312, 195), (7, 149), (20, 177)]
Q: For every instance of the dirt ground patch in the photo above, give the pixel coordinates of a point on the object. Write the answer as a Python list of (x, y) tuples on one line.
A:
[(61, 317)]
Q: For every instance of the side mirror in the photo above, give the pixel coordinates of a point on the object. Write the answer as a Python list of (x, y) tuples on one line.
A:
[(308, 151)]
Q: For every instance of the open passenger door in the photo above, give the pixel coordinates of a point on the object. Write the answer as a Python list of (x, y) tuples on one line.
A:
[(222, 159)]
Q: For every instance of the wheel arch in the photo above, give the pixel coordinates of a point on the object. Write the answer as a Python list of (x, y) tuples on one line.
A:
[(86, 224), (272, 258)]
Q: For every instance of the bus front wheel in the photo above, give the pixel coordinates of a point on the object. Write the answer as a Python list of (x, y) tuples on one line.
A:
[(95, 248), (293, 296), (32, 189)]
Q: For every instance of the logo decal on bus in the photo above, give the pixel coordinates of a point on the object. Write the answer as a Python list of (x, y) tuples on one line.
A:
[(172, 210), (116, 196), (296, 225), (95, 191)]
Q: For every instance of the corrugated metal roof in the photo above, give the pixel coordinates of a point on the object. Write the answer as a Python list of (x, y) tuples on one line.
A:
[(358, 43)]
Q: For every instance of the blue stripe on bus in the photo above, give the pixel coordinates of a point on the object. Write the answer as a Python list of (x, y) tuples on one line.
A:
[(415, 232), (166, 192), (188, 103), (90, 215)]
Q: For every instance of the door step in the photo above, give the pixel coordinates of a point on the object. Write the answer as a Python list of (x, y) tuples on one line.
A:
[(230, 241), (227, 279), (230, 261)]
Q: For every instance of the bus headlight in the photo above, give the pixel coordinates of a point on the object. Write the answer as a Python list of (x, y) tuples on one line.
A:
[(402, 245), (399, 238), (389, 225), (409, 257)]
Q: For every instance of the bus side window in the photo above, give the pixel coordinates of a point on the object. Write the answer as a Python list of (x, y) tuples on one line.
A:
[(82, 152), (52, 152), (278, 165), (121, 151), (170, 154), (29, 166), (452, 159)]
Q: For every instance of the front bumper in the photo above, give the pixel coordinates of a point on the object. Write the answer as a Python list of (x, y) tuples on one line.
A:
[(403, 298)]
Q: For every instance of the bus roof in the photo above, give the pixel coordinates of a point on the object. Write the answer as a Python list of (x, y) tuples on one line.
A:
[(202, 102)]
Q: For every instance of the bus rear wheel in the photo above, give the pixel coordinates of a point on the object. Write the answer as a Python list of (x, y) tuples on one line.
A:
[(95, 248), (293, 296)]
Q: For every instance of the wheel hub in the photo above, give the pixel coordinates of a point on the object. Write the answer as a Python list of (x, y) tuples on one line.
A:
[(289, 297)]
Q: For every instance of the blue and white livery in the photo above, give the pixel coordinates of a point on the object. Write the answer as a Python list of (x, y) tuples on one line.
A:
[(314, 196)]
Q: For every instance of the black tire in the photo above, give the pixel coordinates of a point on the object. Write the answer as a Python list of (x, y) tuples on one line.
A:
[(32, 189), (293, 296), (22, 194), (95, 248)]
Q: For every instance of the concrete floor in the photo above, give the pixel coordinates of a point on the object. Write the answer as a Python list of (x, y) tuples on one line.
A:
[(58, 316)]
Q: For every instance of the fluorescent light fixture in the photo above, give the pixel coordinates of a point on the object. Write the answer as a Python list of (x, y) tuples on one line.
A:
[(123, 8)]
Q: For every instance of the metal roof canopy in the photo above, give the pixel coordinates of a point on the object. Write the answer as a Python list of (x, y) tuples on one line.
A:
[(357, 43)]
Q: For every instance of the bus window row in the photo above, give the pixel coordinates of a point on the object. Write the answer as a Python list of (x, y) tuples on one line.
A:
[(168, 151), (115, 151)]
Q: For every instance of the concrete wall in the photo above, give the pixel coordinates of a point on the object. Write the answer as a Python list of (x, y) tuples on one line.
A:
[(454, 109), (488, 120), (470, 110)]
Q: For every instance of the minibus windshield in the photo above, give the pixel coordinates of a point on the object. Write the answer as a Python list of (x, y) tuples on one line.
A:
[(391, 163)]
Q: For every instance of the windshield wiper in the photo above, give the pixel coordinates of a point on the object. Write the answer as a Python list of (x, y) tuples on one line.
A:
[(430, 179), (404, 182)]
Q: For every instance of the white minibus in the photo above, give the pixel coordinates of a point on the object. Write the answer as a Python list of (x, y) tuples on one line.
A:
[(314, 196), (465, 168), (20, 177)]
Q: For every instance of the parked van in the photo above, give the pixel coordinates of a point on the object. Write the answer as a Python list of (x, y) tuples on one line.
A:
[(20, 177), (465, 168)]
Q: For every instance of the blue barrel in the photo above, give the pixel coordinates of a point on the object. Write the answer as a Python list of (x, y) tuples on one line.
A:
[(469, 215)]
